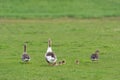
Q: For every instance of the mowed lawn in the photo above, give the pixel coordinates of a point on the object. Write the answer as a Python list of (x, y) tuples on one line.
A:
[(71, 39)]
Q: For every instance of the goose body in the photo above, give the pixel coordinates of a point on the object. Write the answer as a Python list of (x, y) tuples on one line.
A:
[(50, 55), (95, 56), (25, 56)]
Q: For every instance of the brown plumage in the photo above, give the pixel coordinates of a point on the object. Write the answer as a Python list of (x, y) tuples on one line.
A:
[(59, 63), (95, 56), (25, 56), (63, 61), (77, 62)]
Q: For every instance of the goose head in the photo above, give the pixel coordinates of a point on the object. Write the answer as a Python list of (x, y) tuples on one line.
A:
[(97, 52), (49, 42)]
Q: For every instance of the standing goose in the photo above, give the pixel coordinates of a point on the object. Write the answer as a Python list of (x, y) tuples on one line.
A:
[(50, 56), (95, 56), (25, 56)]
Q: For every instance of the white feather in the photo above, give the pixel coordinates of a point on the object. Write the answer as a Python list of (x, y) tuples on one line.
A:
[(49, 49), (51, 59), (26, 59)]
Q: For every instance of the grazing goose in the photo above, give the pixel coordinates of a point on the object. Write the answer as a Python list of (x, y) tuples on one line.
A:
[(95, 56), (50, 56), (25, 56)]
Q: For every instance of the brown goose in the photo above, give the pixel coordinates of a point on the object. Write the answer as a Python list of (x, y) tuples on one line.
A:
[(25, 56), (77, 61), (95, 56), (50, 55)]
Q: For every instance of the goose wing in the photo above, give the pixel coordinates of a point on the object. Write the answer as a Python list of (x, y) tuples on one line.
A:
[(25, 57), (50, 57)]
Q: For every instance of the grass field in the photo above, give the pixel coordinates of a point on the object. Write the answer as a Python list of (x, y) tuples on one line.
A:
[(77, 28), (72, 39), (59, 8)]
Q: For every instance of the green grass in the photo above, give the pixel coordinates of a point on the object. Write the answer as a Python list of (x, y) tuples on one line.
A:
[(72, 39), (59, 8)]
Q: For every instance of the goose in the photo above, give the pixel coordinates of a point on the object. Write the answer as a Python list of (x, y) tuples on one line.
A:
[(59, 63), (63, 61), (50, 55), (95, 56), (77, 61), (25, 56)]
